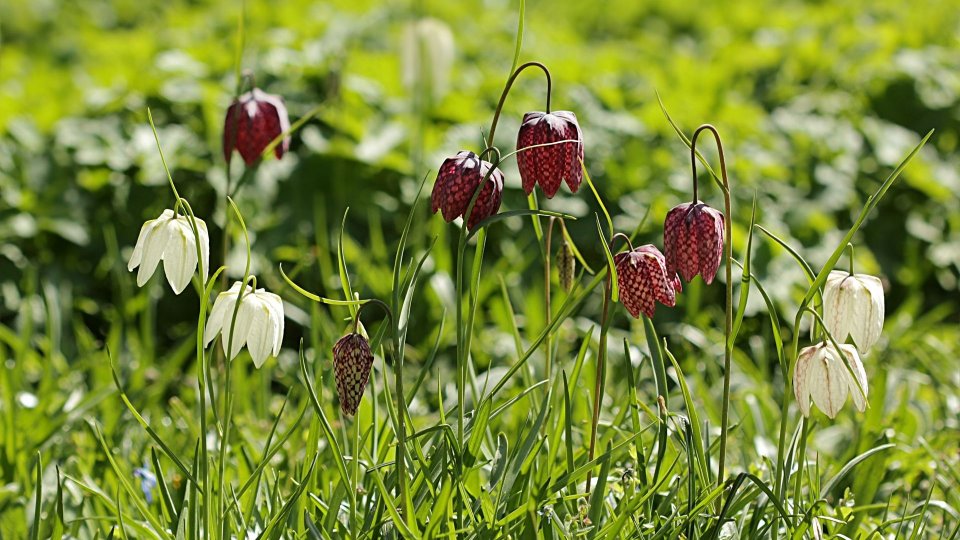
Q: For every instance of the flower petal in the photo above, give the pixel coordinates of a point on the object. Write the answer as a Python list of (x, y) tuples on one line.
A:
[(145, 231), (153, 248), (180, 255), (241, 328), (859, 376), (801, 386), (260, 335), (835, 313), (221, 306)]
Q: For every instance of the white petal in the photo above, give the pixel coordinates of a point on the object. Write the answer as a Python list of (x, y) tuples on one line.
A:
[(153, 247), (828, 385), (137, 255), (241, 328), (276, 317), (801, 387), (180, 256), (859, 375), (873, 326), (835, 316), (221, 306), (260, 336), (204, 248)]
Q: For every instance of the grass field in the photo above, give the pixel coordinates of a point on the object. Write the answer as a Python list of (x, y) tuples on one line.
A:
[(509, 397)]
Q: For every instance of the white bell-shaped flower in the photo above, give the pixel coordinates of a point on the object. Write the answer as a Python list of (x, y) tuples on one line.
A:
[(259, 324), (821, 376), (853, 306), (170, 239)]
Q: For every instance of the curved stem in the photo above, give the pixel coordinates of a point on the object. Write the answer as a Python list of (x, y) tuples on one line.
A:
[(728, 252), (506, 90), (375, 302), (850, 258)]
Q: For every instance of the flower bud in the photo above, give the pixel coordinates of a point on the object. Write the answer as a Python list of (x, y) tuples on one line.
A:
[(566, 264), (352, 360), (643, 279), (253, 121), (821, 376), (693, 241), (853, 307), (549, 165), (456, 183)]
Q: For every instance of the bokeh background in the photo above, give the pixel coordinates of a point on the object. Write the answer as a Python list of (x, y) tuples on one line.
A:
[(817, 102)]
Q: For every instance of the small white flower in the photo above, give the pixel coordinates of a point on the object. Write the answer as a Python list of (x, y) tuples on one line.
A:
[(259, 323), (822, 376), (853, 306), (170, 239)]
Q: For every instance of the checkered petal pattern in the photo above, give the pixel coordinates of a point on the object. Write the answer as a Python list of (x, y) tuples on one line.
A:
[(643, 280), (693, 241), (352, 360), (550, 165), (253, 121), (456, 182)]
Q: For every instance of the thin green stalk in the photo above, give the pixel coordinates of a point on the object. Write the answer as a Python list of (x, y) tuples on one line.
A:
[(728, 256), (548, 344)]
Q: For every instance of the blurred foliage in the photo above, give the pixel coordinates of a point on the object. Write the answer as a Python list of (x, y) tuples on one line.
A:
[(817, 102)]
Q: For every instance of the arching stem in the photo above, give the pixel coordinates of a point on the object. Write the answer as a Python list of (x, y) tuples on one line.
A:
[(506, 90), (850, 258), (728, 256)]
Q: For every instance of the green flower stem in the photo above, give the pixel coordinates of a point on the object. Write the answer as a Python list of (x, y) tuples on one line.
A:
[(548, 343), (728, 256), (601, 374), (850, 258), (506, 91)]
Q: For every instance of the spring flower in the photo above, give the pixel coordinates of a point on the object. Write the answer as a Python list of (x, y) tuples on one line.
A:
[(259, 323), (148, 481), (253, 121), (170, 239), (822, 376), (643, 279), (693, 241), (457, 180), (549, 165), (352, 360), (427, 54), (853, 306)]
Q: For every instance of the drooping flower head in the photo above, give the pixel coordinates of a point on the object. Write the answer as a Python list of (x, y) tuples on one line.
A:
[(259, 324), (693, 241), (549, 165), (170, 239), (456, 183), (853, 307), (352, 360), (821, 376), (643, 280), (253, 121)]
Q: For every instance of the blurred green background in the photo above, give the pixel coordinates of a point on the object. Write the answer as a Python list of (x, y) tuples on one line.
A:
[(817, 103)]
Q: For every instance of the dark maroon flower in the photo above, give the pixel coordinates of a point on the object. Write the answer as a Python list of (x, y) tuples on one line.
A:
[(457, 180), (252, 122), (693, 241), (549, 165), (643, 279), (352, 360)]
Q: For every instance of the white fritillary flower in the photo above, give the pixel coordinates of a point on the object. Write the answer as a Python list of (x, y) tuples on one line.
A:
[(822, 377), (853, 306), (259, 324), (170, 239)]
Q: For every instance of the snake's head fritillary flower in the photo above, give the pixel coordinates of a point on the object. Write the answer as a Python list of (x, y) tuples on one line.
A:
[(693, 241), (259, 323), (643, 280), (554, 163), (170, 239), (253, 121), (821, 376), (352, 360), (456, 183), (853, 307)]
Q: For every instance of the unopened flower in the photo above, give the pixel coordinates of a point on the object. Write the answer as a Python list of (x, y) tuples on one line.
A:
[(170, 239), (551, 164), (853, 306), (693, 241), (821, 376), (253, 121), (259, 323), (456, 183), (427, 53), (643, 280), (352, 360)]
